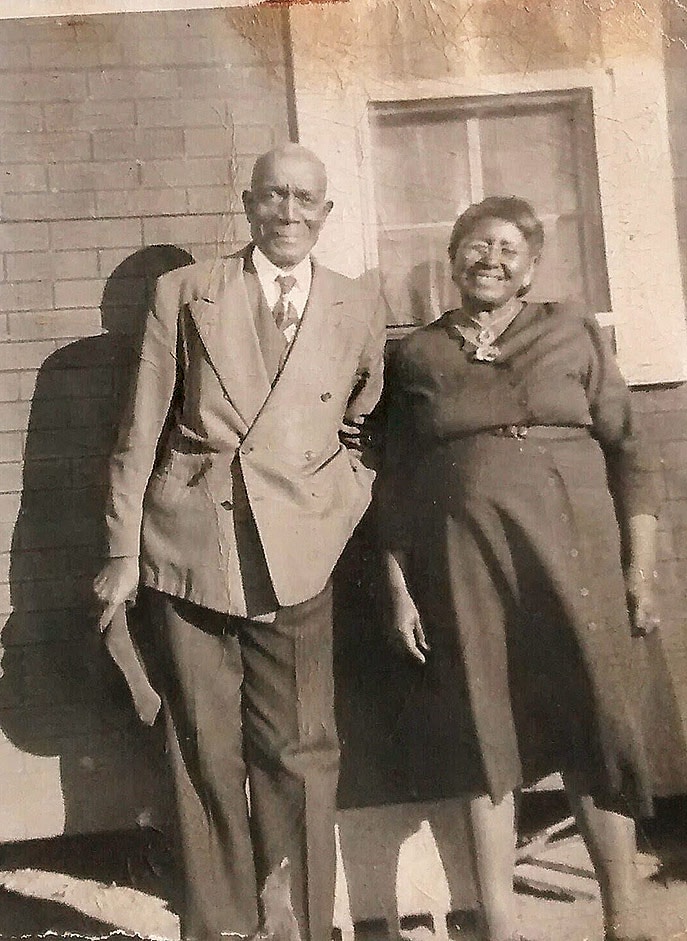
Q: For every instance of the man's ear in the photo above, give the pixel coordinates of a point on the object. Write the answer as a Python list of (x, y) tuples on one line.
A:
[(247, 199), (328, 206)]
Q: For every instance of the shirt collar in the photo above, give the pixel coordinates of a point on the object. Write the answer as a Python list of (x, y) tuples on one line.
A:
[(267, 271)]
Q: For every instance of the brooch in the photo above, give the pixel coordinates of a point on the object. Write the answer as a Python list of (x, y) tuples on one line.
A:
[(484, 349)]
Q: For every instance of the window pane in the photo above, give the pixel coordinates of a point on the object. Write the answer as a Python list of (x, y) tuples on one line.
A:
[(531, 155), (415, 274), (421, 171)]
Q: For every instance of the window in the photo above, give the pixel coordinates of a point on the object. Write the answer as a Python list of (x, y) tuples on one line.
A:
[(431, 159)]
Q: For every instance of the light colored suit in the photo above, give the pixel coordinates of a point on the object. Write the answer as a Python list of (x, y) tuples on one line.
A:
[(237, 489), (306, 490)]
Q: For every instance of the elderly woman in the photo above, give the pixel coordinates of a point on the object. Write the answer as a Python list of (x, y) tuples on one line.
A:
[(510, 578)]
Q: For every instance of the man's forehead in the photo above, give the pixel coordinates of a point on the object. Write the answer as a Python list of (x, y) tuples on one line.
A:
[(294, 170)]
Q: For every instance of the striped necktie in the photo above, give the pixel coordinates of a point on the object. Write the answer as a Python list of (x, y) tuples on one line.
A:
[(284, 312)]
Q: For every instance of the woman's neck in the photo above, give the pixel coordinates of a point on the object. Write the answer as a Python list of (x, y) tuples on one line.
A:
[(485, 316)]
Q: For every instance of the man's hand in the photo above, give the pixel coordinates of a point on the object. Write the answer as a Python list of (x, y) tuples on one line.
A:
[(115, 584), (405, 630), (641, 601)]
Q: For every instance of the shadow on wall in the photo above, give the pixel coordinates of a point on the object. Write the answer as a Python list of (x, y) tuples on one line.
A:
[(60, 696)]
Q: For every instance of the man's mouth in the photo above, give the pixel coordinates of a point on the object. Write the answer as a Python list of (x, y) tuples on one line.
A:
[(487, 277)]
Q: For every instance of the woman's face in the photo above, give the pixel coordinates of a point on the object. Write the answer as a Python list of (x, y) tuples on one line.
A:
[(492, 263)]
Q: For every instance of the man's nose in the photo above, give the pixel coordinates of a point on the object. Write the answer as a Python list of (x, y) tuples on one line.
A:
[(289, 208)]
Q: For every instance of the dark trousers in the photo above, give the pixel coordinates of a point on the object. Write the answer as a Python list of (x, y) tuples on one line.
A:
[(250, 700)]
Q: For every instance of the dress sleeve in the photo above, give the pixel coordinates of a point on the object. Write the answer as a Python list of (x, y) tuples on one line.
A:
[(632, 462)]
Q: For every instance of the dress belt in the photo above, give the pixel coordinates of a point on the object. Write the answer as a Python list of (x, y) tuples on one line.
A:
[(537, 431)]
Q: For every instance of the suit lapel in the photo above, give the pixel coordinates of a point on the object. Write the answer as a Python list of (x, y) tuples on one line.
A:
[(226, 326), (316, 347)]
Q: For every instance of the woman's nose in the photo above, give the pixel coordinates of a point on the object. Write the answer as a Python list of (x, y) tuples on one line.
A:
[(491, 255)]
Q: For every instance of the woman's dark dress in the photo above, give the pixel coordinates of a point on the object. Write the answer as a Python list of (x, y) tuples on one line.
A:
[(515, 554)]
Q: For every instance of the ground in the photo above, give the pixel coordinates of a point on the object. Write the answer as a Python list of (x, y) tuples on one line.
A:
[(114, 885)]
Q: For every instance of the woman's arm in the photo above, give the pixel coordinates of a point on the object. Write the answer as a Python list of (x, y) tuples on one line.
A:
[(405, 627), (640, 574), (632, 470)]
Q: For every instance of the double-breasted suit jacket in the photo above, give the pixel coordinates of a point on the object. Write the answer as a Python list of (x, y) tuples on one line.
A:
[(203, 399)]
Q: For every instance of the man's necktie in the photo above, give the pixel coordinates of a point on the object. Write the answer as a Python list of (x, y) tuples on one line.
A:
[(284, 311)]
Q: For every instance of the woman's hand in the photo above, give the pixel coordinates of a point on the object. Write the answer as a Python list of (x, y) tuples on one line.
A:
[(405, 628), (116, 583), (641, 600), (405, 631)]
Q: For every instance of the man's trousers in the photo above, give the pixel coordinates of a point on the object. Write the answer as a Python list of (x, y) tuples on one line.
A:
[(247, 700)]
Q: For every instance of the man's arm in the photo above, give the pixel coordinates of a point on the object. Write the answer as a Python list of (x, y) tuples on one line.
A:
[(134, 455), (357, 429)]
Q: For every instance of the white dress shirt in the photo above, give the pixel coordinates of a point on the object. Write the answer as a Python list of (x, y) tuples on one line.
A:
[(268, 273)]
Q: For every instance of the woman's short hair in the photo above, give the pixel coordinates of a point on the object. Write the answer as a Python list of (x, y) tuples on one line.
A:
[(510, 209)]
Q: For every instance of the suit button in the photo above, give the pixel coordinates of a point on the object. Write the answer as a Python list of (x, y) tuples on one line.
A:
[(227, 505), (308, 455), (326, 396)]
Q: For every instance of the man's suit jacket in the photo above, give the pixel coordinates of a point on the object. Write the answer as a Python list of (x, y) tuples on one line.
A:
[(202, 399)]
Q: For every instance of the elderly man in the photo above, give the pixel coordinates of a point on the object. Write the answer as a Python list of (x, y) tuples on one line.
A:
[(237, 480)]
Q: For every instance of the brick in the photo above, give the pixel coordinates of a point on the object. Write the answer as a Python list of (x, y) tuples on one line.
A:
[(9, 387), (659, 400), (213, 199), (25, 295), (27, 383), (192, 172), (15, 56), (674, 454), (202, 113), (160, 142), (24, 178), (133, 84), (74, 54), (17, 207), (80, 293), (7, 542), (209, 142), (45, 146), (95, 175), (667, 426), (9, 507), (114, 144), (23, 236), (676, 512), (45, 324), (212, 80), (254, 138), (242, 110), (43, 86), (88, 114), (14, 416), (11, 448), (31, 266), (106, 233), (10, 478), (184, 50), (29, 355), (182, 230), (20, 117), (141, 202)]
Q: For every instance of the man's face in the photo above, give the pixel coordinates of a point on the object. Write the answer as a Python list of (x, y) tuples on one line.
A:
[(286, 207)]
